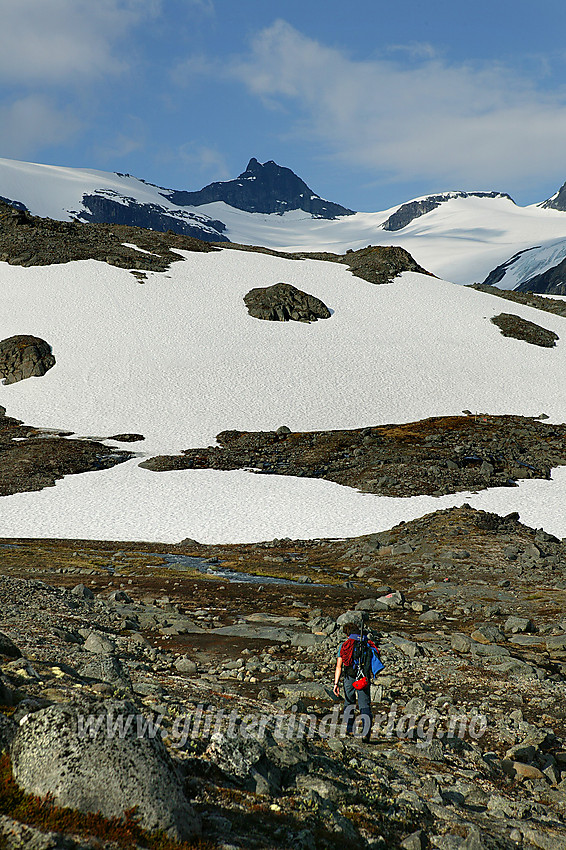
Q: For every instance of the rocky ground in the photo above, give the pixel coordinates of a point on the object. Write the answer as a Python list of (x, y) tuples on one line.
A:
[(435, 456), (468, 609), (33, 458), (548, 305)]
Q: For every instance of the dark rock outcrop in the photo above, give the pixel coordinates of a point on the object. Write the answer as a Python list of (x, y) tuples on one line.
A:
[(101, 772), (283, 303), (32, 458), (262, 188), (558, 201), (8, 647), (381, 263), (435, 456), (519, 328), (413, 209), (24, 356), (127, 211), (16, 204)]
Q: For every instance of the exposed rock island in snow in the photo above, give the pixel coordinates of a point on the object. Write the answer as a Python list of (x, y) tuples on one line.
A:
[(156, 340)]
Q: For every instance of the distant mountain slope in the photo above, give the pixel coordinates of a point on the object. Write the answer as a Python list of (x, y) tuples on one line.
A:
[(539, 269), (101, 197), (458, 236), (262, 188), (413, 209)]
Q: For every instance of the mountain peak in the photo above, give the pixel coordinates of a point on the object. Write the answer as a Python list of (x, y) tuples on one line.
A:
[(262, 188), (254, 165), (558, 200)]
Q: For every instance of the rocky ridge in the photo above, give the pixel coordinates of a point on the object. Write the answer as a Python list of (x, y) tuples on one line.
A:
[(414, 209), (448, 597), (27, 240), (558, 201), (434, 456)]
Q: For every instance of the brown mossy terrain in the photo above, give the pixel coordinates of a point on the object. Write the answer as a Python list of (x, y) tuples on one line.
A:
[(434, 456), (27, 240), (34, 458), (448, 638)]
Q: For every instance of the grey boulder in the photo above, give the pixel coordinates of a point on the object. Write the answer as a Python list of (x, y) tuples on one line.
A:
[(88, 769)]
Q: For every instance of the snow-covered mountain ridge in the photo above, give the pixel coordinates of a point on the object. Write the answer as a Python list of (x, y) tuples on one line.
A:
[(462, 237)]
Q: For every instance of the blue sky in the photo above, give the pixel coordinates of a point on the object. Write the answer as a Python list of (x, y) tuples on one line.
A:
[(371, 103)]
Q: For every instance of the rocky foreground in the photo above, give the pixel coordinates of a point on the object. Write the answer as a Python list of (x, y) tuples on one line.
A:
[(243, 748)]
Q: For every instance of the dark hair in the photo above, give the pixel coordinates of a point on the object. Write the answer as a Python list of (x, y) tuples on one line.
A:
[(349, 628)]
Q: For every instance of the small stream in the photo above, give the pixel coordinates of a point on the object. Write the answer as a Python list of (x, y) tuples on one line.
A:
[(187, 562)]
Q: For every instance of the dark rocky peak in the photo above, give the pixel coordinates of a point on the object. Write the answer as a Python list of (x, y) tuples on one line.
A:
[(558, 201), (413, 209), (262, 188)]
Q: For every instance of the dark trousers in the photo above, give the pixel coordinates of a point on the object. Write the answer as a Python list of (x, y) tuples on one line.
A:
[(364, 704)]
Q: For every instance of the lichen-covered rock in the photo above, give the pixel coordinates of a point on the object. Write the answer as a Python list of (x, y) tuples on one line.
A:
[(283, 303), (97, 761), (24, 356), (519, 328)]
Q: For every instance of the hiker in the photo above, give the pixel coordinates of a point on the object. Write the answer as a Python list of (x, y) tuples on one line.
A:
[(358, 660)]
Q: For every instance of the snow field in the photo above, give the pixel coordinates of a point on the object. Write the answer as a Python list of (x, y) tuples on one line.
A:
[(179, 359)]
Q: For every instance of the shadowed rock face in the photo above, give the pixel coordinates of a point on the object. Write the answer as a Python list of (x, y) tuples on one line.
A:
[(558, 202), (283, 303), (128, 211), (23, 357)]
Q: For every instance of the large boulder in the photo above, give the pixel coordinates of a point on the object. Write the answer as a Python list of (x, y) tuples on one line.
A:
[(84, 760), (283, 302), (23, 357)]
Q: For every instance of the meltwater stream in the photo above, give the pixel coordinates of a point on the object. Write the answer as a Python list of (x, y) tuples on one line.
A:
[(187, 562)]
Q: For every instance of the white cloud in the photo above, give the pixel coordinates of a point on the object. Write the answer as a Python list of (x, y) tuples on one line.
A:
[(125, 141), (193, 68), (208, 161), (461, 125), (53, 41), (31, 120)]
